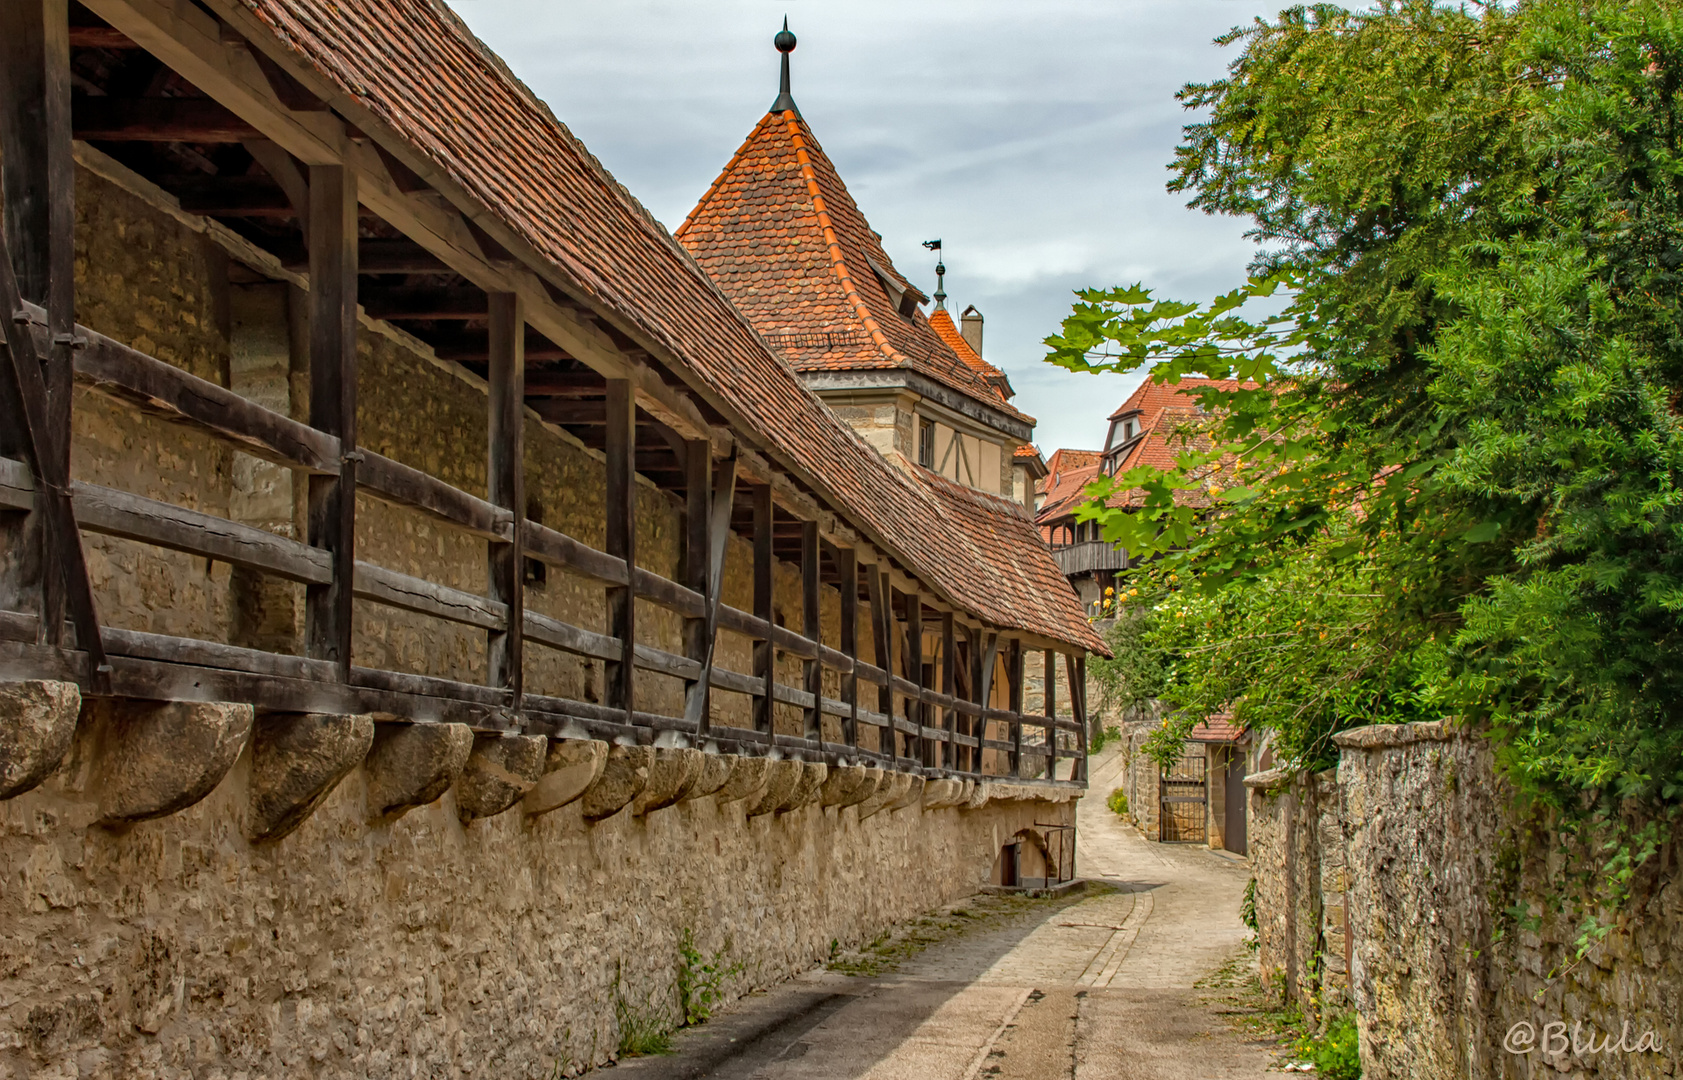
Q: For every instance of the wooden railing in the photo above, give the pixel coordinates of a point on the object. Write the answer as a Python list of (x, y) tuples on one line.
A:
[(920, 728)]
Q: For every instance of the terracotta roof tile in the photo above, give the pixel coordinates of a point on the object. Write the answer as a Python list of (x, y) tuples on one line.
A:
[(416, 70), (1218, 729), (783, 238)]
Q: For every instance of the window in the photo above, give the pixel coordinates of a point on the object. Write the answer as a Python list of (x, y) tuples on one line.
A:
[(1127, 430), (926, 443)]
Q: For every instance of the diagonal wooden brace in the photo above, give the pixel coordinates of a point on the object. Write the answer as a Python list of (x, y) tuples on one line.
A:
[(52, 481), (718, 540)]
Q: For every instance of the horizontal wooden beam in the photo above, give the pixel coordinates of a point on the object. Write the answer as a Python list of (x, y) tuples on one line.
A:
[(135, 517), (166, 390), (176, 119), (558, 549), (395, 482), (427, 598), (99, 37)]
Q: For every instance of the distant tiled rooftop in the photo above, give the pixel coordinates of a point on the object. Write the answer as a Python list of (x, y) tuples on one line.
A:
[(783, 238)]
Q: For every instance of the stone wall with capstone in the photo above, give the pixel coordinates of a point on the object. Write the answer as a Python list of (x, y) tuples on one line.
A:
[(1465, 931), (145, 934)]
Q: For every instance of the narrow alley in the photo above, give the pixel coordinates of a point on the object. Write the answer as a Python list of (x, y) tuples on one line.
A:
[(1104, 988)]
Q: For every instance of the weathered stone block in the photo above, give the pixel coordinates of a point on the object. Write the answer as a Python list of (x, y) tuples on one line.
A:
[(37, 723), (894, 786), (913, 793), (979, 795), (411, 765), (159, 757), (872, 783), (623, 779), (782, 777), (499, 772), (671, 775), (940, 793), (840, 785), (747, 777), (714, 773), (570, 767), (813, 774), (297, 759)]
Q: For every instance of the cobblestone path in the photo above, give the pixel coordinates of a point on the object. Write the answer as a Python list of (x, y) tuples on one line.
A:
[(1103, 988)]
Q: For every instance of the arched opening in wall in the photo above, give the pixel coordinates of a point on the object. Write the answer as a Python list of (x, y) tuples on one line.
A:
[(1023, 862)]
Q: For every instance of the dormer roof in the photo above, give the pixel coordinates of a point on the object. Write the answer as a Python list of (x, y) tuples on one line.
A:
[(786, 243)]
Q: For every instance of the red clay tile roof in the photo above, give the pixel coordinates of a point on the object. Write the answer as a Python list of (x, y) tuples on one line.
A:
[(1151, 396), (783, 238), (1026, 450), (942, 323), (1169, 418), (1218, 729), (417, 76), (1005, 534), (1062, 461), (1066, 494)]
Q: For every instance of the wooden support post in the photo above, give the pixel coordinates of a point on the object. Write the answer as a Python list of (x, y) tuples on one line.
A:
[(1051, 714), (914, 671), (620, 676), (1014, 679), (698, 563), (506, 487), (765, 653), (949, 686), (847, 562), (812, 628), (882, 651), (1076, 668), (36, 172), (26, 390), (989, 657), (333, 329)]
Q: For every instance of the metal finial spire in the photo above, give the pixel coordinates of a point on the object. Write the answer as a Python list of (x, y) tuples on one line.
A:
[(785, 43), (940, 276)]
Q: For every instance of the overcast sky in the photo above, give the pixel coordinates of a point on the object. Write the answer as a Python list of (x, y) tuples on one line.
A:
[(1032, 136)]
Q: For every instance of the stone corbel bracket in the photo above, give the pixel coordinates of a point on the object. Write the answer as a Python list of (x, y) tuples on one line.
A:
[(157, 758), (297, 759), (37, 726), (412, 765)]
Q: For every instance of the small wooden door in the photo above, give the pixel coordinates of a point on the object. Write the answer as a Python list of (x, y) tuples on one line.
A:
[(1234, 833)]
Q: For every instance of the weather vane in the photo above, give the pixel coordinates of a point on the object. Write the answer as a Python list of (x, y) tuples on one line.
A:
[(940, 276)]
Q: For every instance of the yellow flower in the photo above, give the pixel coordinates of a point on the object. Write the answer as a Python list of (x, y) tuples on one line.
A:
[(1110, 592), (1133, 592), (1174, 577)]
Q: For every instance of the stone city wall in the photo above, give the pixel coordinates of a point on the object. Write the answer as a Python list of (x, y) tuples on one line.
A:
[(453, 906), (198, 890), (1461, 923)]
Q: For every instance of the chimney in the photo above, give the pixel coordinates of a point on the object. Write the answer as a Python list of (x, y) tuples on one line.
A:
[(971, 328)]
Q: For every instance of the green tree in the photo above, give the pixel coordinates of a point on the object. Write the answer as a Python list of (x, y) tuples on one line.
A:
[(1465, 415)]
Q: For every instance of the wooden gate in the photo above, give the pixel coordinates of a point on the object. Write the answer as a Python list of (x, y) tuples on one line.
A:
[(1183, 801)]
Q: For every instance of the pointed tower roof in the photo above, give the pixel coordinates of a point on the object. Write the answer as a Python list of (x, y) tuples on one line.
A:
[(782, 237)]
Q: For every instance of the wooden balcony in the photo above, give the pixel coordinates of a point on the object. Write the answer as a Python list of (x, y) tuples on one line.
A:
[(1089, 556)]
